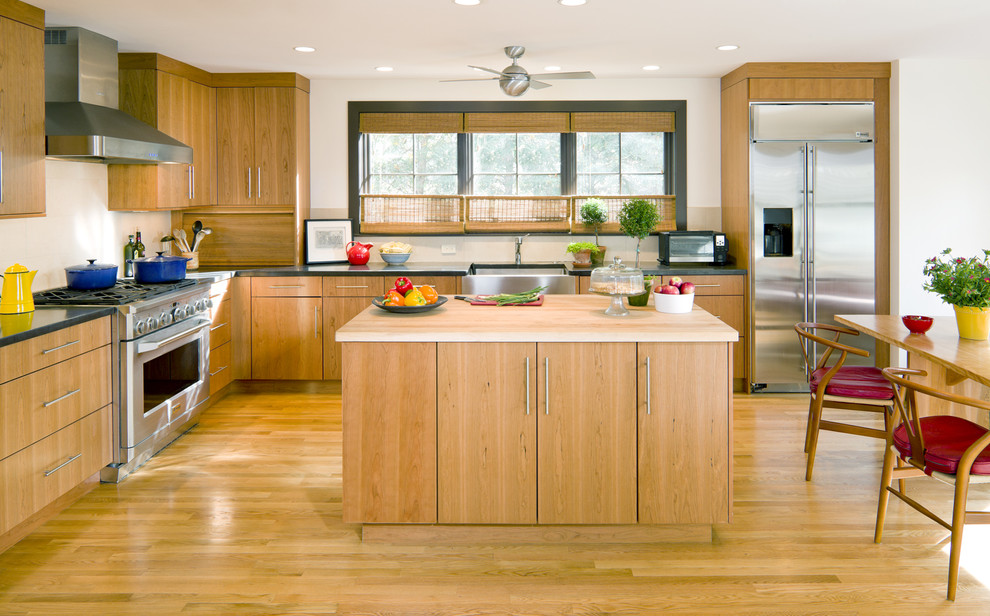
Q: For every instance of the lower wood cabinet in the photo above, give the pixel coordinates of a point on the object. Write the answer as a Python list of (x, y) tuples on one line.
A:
[(286, 328), (221, 328)]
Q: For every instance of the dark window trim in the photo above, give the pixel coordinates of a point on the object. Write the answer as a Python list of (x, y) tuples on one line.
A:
[(675, 167)]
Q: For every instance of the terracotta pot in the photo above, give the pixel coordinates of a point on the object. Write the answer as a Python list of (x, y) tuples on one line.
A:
[(582, 258), (598, 259), (973, 323)]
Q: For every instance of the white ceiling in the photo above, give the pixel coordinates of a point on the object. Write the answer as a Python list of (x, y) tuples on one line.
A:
[(612, 38)]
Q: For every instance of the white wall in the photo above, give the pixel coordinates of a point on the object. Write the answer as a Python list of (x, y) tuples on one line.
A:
[(328, 120), (940, 163), (76, 227)]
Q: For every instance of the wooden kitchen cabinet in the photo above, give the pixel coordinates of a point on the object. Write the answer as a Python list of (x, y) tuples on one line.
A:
[(343, 298), (55, 420), (685, 433), (258, 145), (176, 99), (286, 328), (22, 110), (221, 344)]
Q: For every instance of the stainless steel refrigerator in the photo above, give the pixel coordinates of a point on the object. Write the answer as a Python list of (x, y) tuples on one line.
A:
[(812, 210)]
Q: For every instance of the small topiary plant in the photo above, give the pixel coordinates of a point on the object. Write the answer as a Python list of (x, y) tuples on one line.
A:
[(638, 219)]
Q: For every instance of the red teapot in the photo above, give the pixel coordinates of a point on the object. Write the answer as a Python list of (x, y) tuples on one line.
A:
[(358, 253)]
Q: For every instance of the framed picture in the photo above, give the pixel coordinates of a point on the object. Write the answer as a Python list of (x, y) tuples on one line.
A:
[(327, 239)]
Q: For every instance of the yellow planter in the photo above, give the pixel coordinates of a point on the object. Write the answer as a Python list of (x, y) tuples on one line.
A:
[(973, 323)]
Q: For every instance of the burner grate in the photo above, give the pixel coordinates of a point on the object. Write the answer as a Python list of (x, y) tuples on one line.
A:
[(124, 292)]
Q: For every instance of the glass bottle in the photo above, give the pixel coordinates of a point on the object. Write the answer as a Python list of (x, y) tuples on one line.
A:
[(128, 255), (138, 247)]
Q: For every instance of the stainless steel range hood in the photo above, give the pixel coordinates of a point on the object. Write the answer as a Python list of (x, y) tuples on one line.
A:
[(82, 121)]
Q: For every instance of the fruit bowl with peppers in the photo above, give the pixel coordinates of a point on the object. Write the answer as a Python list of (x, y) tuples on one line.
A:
[(404, 296)]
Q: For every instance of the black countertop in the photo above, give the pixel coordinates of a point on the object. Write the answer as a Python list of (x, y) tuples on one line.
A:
[(18, 327), (461, 269)]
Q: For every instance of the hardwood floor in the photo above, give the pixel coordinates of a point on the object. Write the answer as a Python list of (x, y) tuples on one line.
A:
[(242, 515)]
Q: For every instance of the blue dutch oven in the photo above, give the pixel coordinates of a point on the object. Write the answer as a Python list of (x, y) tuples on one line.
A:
[(162, 268), (91, 276)]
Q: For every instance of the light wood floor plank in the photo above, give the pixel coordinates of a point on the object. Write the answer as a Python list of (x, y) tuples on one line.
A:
[(242, 516)]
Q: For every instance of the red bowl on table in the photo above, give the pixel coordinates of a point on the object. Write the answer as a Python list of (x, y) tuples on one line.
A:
[(917, 324)]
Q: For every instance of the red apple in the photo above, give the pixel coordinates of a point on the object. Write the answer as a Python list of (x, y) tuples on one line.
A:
[(687, 287), (675, 281), (669, 289)]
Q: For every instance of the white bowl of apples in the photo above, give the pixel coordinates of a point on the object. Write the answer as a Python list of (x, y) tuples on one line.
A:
[(675, 297)]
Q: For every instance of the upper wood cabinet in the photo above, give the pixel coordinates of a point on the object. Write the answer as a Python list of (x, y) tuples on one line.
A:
[(262, 145), (22, 110), (176, 99)]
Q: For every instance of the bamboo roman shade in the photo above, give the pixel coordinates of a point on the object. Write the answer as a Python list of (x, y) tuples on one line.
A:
[(516, 122), (411, 122), (623, 122)]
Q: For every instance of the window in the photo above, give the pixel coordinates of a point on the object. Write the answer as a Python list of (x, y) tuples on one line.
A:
[(412, 164), (516, 164), (620, 164)]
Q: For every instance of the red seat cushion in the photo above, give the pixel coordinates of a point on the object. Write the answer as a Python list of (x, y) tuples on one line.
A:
[(946, 439), (855, 382)]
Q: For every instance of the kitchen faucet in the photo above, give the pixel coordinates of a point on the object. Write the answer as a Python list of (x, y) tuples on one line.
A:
[(519, 241)]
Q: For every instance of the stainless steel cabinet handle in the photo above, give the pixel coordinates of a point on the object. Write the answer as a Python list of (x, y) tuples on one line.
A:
[(707, 285), (249, 182), (316, 321), (215, 328), (285, 286), (72, 459), (259, 182), (60, 398), (218, 371), (527, 386), (60, 347), (546, 382), (647, 384), (352, 286), (189, 174)]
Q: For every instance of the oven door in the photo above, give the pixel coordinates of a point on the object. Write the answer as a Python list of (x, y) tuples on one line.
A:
[(165, 376)]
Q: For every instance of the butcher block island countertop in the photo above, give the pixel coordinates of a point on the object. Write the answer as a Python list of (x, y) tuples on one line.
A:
[(537, 423), (561, 318)]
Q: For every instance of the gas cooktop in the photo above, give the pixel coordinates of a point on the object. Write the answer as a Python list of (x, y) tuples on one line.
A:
[(122, 293)]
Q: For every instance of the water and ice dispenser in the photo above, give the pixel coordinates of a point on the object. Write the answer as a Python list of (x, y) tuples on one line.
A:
[(778, 234)]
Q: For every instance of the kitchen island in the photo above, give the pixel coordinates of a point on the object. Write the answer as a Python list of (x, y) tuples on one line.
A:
[(548, 415)]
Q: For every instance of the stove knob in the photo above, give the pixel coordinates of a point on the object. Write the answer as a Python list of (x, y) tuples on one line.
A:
[(165, 319), (152, 323), (209, 302), (179, 313), (200, 305), (140, 327)]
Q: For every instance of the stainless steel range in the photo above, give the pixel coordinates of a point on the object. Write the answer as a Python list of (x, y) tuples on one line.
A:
[(160, 362)]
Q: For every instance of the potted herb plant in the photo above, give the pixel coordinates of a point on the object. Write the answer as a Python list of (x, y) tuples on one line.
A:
[(643, 298), (595, 214), (582, 252), (965, 284), (638, 219)]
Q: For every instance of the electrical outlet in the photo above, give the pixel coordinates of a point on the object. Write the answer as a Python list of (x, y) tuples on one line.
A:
[(448, 249)]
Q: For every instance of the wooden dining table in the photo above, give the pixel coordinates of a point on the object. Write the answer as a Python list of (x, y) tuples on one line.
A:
[(953, 364)]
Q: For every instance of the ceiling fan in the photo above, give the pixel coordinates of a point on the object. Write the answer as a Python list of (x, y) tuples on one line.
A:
[(514, 80)]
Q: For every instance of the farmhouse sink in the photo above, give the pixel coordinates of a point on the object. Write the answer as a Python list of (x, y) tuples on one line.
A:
[(494, 278)]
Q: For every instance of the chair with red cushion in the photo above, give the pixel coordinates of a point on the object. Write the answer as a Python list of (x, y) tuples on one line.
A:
[(944, 447), (837, 386)]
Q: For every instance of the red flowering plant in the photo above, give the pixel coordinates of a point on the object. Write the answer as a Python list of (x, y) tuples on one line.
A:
[(959, 281)]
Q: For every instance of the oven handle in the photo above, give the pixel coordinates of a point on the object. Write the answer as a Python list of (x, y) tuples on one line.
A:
[(145, 347)]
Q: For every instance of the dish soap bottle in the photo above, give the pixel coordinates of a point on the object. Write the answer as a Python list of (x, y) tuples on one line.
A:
[(128, 255)]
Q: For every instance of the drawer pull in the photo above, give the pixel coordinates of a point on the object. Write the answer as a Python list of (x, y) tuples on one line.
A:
[(218, 371), (285, 286), (352, 286), (215, 328), (60, 347), (72, 459), (648, 385), (714, 286), (60, 398)]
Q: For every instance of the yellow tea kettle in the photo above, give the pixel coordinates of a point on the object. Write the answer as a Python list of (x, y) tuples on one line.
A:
[(16, 297)]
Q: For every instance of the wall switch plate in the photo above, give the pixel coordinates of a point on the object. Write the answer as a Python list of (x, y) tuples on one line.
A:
[(448, 249)]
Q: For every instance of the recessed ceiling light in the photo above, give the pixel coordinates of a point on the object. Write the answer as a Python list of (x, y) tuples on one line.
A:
[(305, 49), (571, 2), (467, 2), (727, 47), (384, 69), (651, 67), (551, 68)]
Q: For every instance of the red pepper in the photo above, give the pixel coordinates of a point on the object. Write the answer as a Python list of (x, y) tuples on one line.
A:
[(403, 285)]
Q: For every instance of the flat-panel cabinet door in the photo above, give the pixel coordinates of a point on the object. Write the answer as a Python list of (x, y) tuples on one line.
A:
[(337, 311), (286, 338), (274, 146), (586, 412), (236, 176), (201, 113), (684, 433), (486, 433)]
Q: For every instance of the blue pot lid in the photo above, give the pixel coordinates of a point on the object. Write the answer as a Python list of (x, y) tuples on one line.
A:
[(92, 266), (161, 258)]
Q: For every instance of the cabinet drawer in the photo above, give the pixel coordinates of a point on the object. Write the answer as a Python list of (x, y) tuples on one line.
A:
[(445, 285), (34, 406), (220, 329), (34, 354), (285, 286), (728, 308), (353, 286), (220, 372), (220, 290), (714, 285), (37, 475)]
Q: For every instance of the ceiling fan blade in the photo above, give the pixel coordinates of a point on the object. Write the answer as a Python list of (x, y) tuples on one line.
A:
[(538, 85), (479, 79), (570, 75), (487, 70)]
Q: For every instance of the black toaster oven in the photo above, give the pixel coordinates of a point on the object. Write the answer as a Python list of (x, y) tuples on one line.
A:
[(693, 247)]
